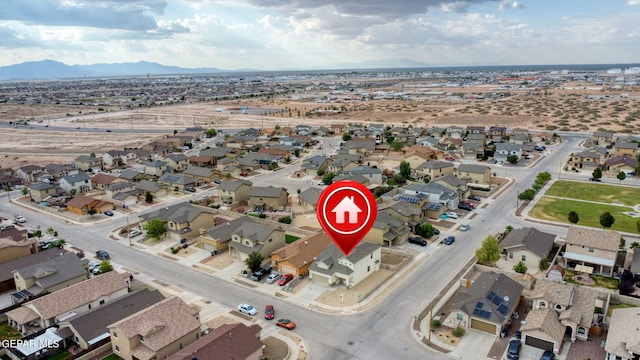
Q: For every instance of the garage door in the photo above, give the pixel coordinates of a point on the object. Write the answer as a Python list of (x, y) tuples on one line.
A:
[(483, 326), (539, 343), (288, 270)]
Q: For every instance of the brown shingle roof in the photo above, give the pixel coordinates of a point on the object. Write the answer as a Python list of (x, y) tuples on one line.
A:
[(102, 178), (598, 239), (160, 325), (79, 294), (227, 342), (304, 250), (544, 320)]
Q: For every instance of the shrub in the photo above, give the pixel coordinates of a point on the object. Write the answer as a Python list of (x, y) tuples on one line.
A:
[(435, 323), (458, 332)]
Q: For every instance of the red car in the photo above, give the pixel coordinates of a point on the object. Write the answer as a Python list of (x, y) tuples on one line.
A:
[(285, 279), (269, 312)]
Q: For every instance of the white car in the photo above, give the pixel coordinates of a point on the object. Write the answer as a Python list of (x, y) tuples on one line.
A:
[(20, 219), (452, 215), (247, 309), (135, 232), (464, 227), (273, 277)]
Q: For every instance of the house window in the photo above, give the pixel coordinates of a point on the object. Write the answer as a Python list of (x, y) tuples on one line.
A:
[(368, 268), (141, 338), (371, 256), (558, 307), (117, 348), (270, 240), (543, 305), (459, 317), (591, 249), (180, 345), (524, 257), (101, 302), (510, 255), (115, 334), (89, 306), (582, 331)]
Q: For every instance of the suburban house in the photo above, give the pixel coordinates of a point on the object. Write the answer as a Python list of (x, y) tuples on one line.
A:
[(8, 266), (182, 220), (101, 181), (79, 182), (473, 147), (228, 165), (117, 158), (157, 331), (623, 148), (528, 245), (591, 250), (623, 338), (41, 191), (14, 245), (405, 212), (497, 132), (372, 175), (83, 205), (488, 304), (202, 161), (202, 175), (311, 165), (455, 132), (437, 194), (61, 305), (602, 138), (268, 198), (417, 154), (297, 257), (624, 163), (48, 276), (177, 162), (219, 235), (474, 174), (504, 150), (87, 163), (363, 147), (228, 341), (387, 231), (309, 198), (589, 159), (155, 168), (90, 328), (131, 176), (177, 182), (230, 192), (559, 310), (152, 187), (333, 268), (30, 173), (433, 169), (255, 237), (55, 171)]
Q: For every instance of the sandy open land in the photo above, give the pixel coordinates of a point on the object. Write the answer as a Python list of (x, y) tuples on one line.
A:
[(566, 109)]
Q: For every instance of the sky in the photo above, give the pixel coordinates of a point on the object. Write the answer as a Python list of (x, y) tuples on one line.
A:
[(308, 34)]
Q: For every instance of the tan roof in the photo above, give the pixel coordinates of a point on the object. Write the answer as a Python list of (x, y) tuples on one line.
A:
[(304, 249), (544, 320), (9, 242), (421, 151), (624, 332), (552, 291), (160, 324), (595, 238), (102, 178), (582, 308), (81, 201), (74, 296), (22, 315)]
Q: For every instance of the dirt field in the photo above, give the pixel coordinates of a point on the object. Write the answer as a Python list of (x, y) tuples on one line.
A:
[(566, 109)]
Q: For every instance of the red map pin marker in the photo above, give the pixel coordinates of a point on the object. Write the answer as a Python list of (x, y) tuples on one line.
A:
[(346, 211)]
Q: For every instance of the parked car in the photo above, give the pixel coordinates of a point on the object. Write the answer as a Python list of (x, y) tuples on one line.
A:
[(449, 240), (94, 264), (7, 227), (513, 351), (467, 202), (102, 255), (475, 197), (190, 189), (244, 173), (260, 273), (464, 206), (539, 148), (548, 355), (452, 215), (20, 219), (417, 240), (464, 227), (269, 312), (247, 309), (436, 231), (286, 323), (108, 213), (285, 279), (217, 181), (273, 277), (135, 232)]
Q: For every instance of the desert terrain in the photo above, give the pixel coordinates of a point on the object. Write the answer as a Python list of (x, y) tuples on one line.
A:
[(64, 132)]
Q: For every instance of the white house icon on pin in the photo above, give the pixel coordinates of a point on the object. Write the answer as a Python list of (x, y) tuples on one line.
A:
[(346, 206)]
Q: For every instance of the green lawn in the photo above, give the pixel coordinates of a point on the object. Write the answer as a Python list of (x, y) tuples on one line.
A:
[(595, 192), (113, 357), (8, 333), (63, 355), (290, 238), (589, 213)]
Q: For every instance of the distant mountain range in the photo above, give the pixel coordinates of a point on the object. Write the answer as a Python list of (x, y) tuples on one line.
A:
[(50, 69)]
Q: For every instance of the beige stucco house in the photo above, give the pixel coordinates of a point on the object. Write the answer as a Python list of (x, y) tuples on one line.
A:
[(230, 192), (268, 198), (255, 237), (297, 257), (591, 250), (528, 245), (333, 268), (623, 338), (474, 174)]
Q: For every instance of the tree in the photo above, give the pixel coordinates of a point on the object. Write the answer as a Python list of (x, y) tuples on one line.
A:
[(508, 229), (489, 252), (623, 242), (634, 245), (528, 194), (513, 159), (606, 220), (285, 220), (212, 132), (425, 230), (273, 165), (148, 198), (543, 264), (91, 212), (73, 192), (105, 266), (621, 176), (573, 217), (328, 178), (51, 231), (397, 145), (597, 173), (155, 228), (399, 179), (254, 260), (627, 283), (405, 169), (25, 190), (346, 137), (60, 243), (520, 267), (37, 233), (175, 132)]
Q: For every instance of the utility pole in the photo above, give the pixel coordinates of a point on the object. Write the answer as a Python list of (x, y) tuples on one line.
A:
[(128, 231)]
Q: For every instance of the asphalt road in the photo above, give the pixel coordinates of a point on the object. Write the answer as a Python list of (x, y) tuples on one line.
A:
[(382, 332)]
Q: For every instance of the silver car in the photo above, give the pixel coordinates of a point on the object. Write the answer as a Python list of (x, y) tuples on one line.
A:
[(273, 277)]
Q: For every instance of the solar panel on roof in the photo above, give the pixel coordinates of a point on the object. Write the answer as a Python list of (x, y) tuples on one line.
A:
[(502, 309), (497, 301), (485, 314), (479, 305), (476, 312)]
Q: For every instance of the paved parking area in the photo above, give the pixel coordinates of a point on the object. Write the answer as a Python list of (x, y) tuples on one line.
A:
[(473, 345)]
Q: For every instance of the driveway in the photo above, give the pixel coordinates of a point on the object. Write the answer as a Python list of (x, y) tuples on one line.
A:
[(473, 343)]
